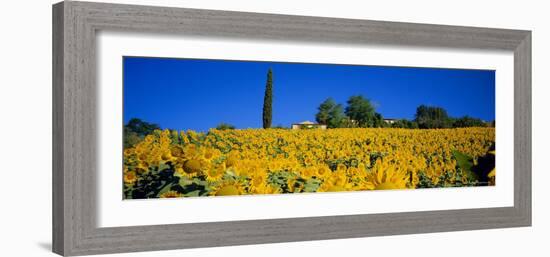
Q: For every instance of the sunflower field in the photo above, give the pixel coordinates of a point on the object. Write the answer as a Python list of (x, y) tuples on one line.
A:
[(169, 164)]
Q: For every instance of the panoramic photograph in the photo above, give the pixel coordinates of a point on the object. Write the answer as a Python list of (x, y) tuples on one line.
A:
[(210, 128)]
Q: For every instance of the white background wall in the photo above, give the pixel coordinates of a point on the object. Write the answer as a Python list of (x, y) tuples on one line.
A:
[(25, 128)]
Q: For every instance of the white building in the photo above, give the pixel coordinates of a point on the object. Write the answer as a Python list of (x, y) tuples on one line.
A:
[(390, 121), (308, 125)]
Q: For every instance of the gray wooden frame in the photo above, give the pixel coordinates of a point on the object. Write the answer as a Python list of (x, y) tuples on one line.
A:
[(74, 126)]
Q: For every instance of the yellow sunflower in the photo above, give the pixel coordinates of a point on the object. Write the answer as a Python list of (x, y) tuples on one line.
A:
[(129, 151), (266, 189), (215, 173), (231, 160), (258, 180), (337, 181), (386, 176), (130, 177), (323, 171), (341, 168), (229, 187), (308, 172), (171, 194), (166, 155), (211, 153), (191, 151), (177, 151), (193, 166), (329, 186), (364, 185)]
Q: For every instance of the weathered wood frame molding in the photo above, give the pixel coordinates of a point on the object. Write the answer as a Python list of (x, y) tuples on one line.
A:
[(75, 25)]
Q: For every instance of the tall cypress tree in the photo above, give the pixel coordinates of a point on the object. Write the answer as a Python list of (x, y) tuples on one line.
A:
[(268, 100)]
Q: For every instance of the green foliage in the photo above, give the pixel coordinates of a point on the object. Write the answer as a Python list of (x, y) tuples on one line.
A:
[(429, 117), (467, 121), (279, 126), (485, 164), (153, 184), (465, 163), (467, 173), (378, 121), (403, 123), (331, 114), (361, 110), (361, 113), (224, 126), (131, 138), (476, 171), (310, 185), (164, 179), (358, 113), (280, 179), (268, 101), (337, 116), (346, 122), (447, 179), (141, 127), (191, 186), (135, 130), (324, 109)]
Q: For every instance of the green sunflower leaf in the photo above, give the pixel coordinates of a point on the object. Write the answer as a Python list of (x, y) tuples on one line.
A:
[(465, 163)]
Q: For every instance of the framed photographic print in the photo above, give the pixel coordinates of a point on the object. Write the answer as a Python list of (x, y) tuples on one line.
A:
[(183, 128)]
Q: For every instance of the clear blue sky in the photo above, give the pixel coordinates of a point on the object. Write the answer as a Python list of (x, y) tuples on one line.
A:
[(199, 94)]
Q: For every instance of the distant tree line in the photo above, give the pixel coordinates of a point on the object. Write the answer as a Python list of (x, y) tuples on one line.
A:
[(135, 130), (360, 112), (428, 117), (225, 126)]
